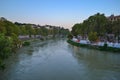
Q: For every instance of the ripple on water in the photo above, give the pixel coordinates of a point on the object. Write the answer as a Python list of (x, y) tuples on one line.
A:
[(57, 60)]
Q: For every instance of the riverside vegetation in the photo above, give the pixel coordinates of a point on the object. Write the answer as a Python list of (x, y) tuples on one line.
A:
[(10, 32), (101, 48), (97, 28)]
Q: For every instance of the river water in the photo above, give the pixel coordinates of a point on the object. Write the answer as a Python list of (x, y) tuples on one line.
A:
[(57, 60)]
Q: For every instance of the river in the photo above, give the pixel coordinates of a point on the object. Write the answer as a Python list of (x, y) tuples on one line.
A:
[(58, 60)]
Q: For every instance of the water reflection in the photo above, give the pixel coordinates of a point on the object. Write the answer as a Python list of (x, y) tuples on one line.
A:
[(97, 59), (57, 60)]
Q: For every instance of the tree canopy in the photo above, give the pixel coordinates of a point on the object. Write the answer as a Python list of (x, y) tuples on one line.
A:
[(97, 23)]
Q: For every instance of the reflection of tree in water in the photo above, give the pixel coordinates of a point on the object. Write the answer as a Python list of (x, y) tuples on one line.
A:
[(97, 59)]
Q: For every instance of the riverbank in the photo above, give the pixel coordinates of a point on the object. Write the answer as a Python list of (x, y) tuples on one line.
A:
[(101, 48)]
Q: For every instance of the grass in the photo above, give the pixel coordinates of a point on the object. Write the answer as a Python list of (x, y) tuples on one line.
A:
[(101, 48)]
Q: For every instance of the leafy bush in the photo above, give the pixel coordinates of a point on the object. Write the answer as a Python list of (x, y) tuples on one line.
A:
[(26, 43), (5, 48)]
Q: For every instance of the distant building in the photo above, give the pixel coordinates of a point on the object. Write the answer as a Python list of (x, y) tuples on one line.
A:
[(35, 26), (48, 27), (114, 18)]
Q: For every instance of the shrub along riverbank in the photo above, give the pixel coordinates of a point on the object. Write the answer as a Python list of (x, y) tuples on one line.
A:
[(15, 35), (101, 48)]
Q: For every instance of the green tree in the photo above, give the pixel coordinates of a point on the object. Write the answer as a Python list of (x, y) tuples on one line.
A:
[(70, 36), (29, 30), (22, 30), (10, 28), (16, 42), (92, 36), (116, 29), (95, 23), (5, 48), (75, 29), (2, 27), (44, 31)]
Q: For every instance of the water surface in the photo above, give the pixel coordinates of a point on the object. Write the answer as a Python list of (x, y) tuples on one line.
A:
[(57, 60)]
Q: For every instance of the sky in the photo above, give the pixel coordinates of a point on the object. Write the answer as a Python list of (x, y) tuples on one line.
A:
[(64, 13)]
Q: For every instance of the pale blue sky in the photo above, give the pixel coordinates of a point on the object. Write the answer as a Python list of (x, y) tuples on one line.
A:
[(56, 12)]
